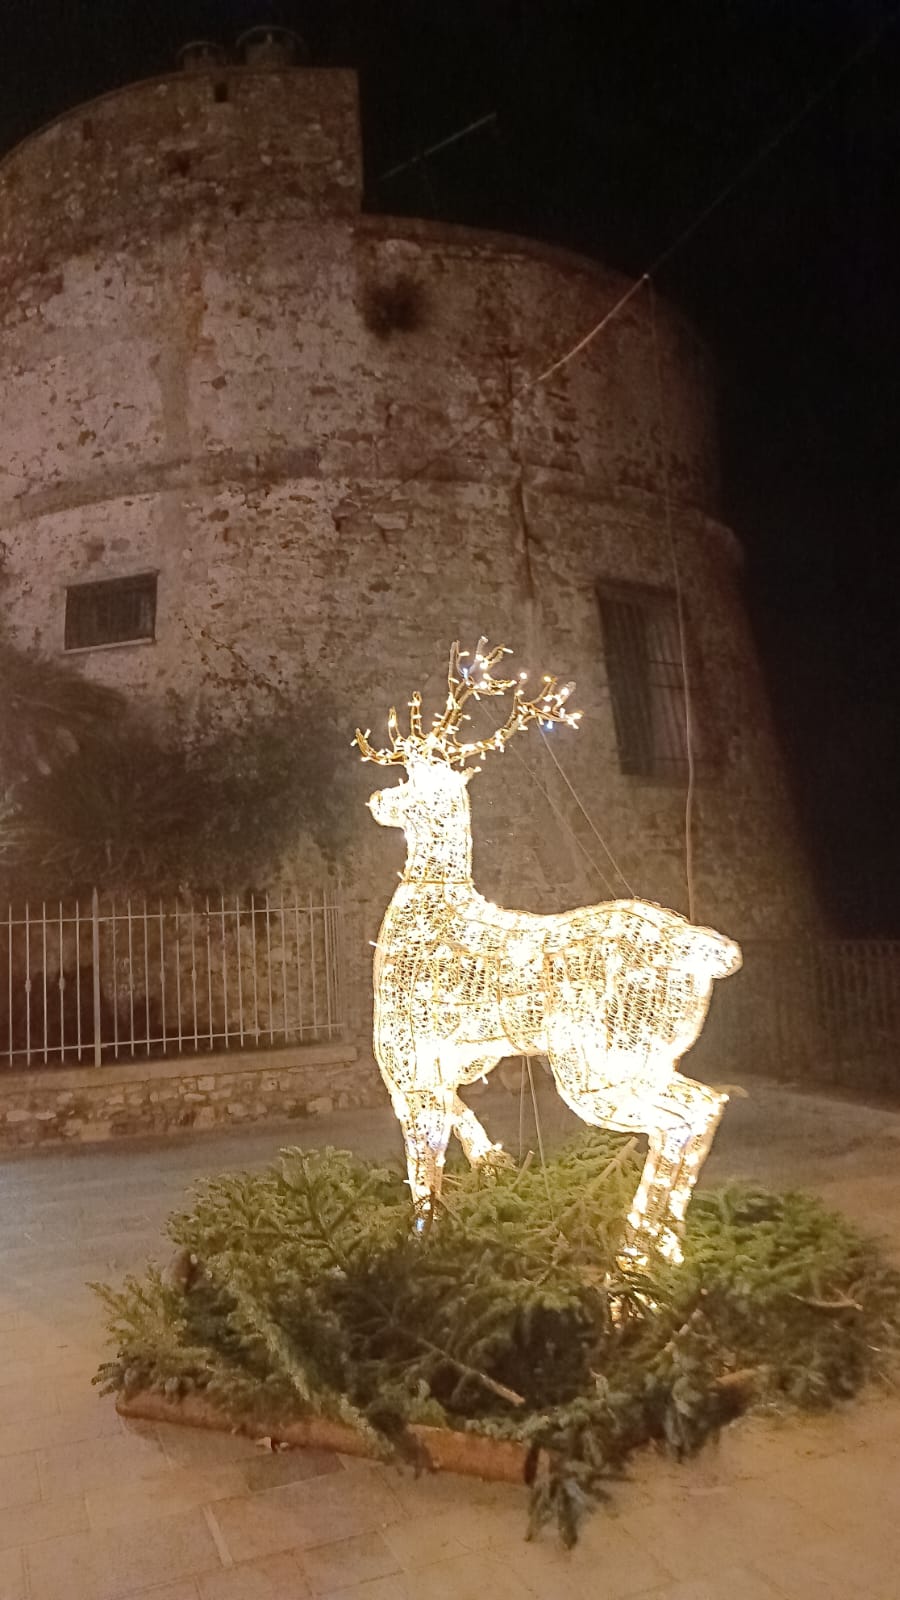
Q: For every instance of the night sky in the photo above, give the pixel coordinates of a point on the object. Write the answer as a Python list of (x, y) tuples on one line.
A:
[(614, 127)]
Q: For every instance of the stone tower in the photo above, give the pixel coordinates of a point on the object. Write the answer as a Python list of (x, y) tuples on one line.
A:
[(253, 436)]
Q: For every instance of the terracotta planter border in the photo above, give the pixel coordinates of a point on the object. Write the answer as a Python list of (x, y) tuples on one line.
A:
[(443, 1449)]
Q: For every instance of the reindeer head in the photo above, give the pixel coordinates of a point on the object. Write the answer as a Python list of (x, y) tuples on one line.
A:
[(432, 796), (432, 805), (469, 678)]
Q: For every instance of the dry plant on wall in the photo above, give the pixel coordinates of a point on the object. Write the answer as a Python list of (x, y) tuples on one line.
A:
[(394, 305)]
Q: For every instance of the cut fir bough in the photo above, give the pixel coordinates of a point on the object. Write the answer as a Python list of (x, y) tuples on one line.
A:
[(307, 1295)]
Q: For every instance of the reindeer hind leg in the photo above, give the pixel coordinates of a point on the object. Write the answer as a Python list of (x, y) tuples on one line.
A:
[(679, 1118), (705, 1107), (648, 1229), (687, 1115)]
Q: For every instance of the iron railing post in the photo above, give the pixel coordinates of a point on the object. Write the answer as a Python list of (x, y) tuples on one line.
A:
[(95, 966)]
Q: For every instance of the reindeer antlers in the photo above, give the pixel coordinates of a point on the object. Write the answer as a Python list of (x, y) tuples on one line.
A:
[(466, 682)]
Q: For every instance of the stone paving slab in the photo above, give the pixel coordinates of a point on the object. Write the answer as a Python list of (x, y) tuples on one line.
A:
[(92, 1508)]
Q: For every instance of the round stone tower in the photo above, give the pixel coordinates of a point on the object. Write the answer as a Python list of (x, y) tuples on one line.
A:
[(256, 442)]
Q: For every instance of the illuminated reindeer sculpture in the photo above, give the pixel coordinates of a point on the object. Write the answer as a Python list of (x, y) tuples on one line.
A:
[(612, 994)]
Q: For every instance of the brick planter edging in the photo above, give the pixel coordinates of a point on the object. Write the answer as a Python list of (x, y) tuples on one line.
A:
[(133, 1098), (471, 1454)]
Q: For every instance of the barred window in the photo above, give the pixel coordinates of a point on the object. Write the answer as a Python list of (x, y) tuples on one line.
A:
[(646, 682), (116, 611)]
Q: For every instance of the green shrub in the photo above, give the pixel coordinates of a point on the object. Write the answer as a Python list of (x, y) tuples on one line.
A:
[(303, 1290)]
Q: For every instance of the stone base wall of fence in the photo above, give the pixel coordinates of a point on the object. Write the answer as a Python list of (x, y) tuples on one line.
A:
[(73, 1105)]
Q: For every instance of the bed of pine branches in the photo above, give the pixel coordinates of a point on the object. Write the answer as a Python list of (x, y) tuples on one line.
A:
[(302, 1290)]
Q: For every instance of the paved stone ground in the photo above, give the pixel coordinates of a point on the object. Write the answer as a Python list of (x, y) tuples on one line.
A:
[(94, 1509)]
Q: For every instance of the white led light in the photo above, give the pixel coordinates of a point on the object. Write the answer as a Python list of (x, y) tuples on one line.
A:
[(612, 994)]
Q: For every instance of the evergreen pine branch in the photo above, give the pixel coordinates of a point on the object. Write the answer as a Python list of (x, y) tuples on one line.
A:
[(312, 1296)]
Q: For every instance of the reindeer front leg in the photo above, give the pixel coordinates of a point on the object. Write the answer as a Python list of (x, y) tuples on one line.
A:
[(427, 1117), (478, 1148)]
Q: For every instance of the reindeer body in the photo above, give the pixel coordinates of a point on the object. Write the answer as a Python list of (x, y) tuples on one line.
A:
[(480, 981), (612, 994)]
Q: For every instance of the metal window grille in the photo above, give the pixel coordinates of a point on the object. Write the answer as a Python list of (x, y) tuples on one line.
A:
[(116, 611), (107, 979), (646, 680)]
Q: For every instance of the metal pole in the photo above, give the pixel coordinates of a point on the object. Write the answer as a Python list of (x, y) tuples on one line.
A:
[(329, 955), (162, 974), (284, 986), (95, 954), (27, 987), (146, 976), (9, 1003), (269, 967), (130, 970), (224, 967), (78, 974), (209, 986), (192, 914), (62, 992), (44, 973), (240, 973), (255, 980), (115, 974), (299, 940), (312, 965)]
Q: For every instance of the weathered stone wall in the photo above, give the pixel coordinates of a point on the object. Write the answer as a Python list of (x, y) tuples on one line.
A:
[(75, 1105), (145, 163), (316, 426)]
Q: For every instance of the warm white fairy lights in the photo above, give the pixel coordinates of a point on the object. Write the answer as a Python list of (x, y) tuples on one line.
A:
[(613, 994)]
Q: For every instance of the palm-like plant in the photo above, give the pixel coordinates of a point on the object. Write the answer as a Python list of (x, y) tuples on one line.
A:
[(89, 794), (48, 712)]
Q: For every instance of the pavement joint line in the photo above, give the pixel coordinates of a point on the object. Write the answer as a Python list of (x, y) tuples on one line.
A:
[(218, 1537)]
